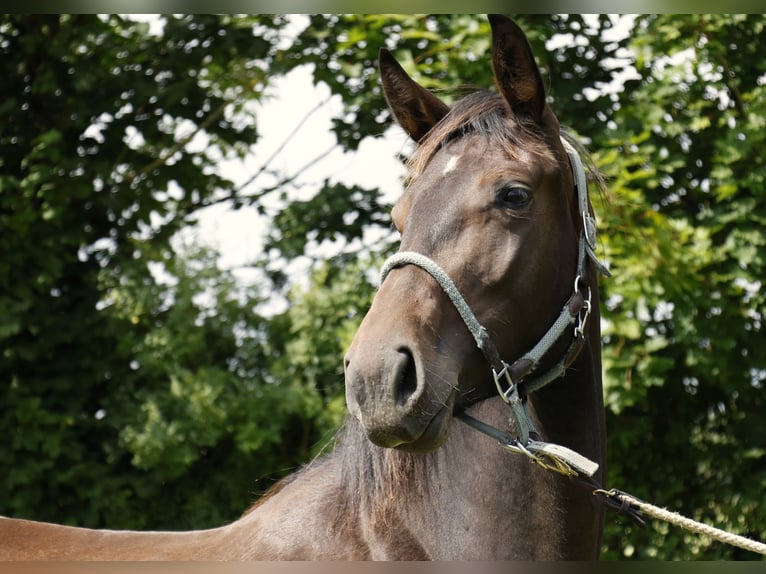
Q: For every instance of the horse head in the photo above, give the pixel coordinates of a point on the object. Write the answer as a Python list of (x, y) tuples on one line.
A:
[(490, 200)]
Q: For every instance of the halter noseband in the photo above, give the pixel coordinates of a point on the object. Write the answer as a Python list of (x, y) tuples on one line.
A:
[(515, 381)]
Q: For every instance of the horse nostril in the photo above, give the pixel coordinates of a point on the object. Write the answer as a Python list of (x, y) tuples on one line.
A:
[(406, 380)]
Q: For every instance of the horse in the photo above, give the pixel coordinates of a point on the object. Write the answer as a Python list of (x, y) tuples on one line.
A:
[(495, 251)]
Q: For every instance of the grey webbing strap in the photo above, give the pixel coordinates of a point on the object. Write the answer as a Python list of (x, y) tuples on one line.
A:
[(557, 370), (578, 171), (588, 221), (569, 314), (565, 320)]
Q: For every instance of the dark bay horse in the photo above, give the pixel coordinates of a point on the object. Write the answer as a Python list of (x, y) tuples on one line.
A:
[(492, 205)]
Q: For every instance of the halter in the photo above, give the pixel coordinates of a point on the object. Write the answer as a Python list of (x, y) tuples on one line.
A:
[(516, 380)]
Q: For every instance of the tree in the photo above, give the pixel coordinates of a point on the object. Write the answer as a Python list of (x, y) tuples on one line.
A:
[(119, 383), (685, 353), (118, 375)]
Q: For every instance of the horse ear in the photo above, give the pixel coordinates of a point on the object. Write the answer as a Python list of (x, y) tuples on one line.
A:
[(415, 109), (516, 73)]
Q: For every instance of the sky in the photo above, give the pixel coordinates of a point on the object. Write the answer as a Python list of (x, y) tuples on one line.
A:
[(238, 234)]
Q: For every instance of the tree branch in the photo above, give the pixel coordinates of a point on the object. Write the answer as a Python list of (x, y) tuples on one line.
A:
[(183, 142), (286, 180), (282, 146)]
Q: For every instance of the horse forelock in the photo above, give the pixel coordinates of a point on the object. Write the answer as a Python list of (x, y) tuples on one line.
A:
[(485, 114)]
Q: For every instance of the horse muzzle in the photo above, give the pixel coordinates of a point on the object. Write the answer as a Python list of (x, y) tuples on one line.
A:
[(389, 392)]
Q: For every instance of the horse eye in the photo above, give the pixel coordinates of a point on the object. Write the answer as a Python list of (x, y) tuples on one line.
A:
[(515, 197)]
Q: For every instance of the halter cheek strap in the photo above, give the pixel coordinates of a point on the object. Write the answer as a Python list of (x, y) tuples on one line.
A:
[(515, 381)]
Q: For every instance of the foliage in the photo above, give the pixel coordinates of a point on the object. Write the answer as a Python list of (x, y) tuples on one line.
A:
[(130, 371), (684, 353), (133, 372)]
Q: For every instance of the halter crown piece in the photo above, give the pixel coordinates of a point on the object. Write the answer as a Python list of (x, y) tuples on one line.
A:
[(516, 380)]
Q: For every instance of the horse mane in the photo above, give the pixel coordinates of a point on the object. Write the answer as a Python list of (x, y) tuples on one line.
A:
[(486, 113), (372, 479)]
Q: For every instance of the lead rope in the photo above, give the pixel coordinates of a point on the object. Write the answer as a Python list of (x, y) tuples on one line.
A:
[(548, 457), (683, 522)]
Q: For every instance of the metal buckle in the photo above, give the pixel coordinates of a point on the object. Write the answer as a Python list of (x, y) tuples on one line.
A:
[(512, 392), (582, 317), (516, 401)]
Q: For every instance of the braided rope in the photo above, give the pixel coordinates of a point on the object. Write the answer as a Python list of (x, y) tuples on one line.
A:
[(692, 525), (410, 257)]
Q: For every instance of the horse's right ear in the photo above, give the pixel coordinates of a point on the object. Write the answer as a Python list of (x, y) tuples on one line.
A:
[(415, 109), (516, 73)]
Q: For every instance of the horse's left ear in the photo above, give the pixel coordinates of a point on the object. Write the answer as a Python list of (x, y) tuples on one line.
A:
[(416, 109), (516, 73)]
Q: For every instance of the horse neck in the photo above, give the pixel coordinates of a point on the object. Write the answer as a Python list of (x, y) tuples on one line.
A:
[(470, 499)]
